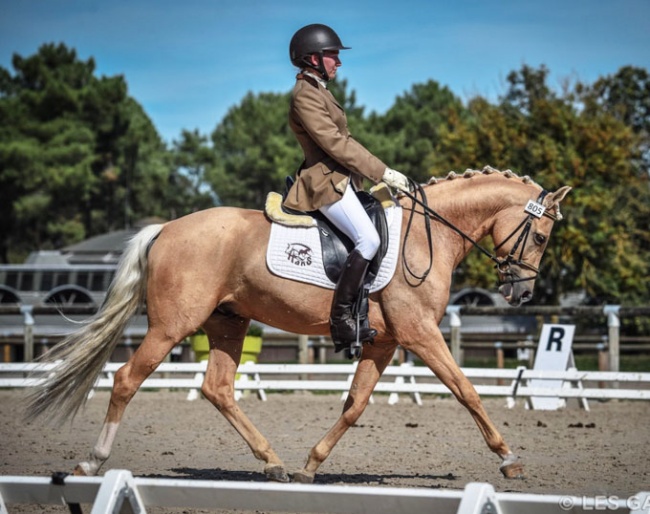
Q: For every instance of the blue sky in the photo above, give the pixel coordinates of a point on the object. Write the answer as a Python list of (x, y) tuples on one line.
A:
[(188, 62)]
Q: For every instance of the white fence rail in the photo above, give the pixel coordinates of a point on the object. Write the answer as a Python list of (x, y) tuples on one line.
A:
[(31, 326), (119, 492), (404, 379)]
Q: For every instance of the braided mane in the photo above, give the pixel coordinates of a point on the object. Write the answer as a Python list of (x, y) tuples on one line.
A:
[(487, 170)]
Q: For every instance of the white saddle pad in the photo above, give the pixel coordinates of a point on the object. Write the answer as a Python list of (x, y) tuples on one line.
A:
[(295, 253)]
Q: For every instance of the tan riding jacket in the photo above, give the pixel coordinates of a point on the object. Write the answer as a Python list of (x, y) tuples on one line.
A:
[(332, 155)]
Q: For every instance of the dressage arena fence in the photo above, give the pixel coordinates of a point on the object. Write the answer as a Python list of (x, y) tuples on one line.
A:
[(27, 331), (118, 492), (403, 379)]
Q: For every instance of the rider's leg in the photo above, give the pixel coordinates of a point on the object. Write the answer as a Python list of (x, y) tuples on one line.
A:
[(349, 216)]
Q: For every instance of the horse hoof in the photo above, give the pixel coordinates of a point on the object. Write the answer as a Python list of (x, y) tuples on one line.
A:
[(79, 471), (514, 470), (303, 477), (276, 474)]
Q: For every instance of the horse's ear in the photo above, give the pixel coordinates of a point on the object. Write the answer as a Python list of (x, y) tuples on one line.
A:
[(552, 200)]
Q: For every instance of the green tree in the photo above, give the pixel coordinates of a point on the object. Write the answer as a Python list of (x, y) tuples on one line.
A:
[(145, 166), (593, 249), (79, 156), (254, 150), (193, 160), (618, 108), (413, 127), (626, 96), (69, 145), (46, 159), (579, 138)]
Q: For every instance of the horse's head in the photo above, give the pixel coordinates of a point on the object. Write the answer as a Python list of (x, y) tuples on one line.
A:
[(520, 236)]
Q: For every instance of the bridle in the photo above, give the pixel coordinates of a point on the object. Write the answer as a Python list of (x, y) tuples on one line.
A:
[(534, 209), (504, 265)]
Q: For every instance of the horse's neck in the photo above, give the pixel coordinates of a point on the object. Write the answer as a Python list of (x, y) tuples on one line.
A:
[(473, 205)]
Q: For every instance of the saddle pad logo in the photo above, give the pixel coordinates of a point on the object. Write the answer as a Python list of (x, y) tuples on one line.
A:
[(299, 254)]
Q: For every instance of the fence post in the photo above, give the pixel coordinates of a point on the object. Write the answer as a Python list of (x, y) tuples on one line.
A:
[(28, 327), (532, 347), (322, 351), (603, 363), (613, 329), (453, 311), (500, 359), (303, 349), (128, 347)]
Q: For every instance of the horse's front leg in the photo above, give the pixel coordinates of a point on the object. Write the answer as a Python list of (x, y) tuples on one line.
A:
[(433, 350), (373, 362), (226, 335)]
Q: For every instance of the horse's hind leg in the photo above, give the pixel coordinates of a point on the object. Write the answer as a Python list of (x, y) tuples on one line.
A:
[(155, 346), (226, 335)]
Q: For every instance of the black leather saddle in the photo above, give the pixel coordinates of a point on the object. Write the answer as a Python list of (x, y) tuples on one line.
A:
[(336, 246)]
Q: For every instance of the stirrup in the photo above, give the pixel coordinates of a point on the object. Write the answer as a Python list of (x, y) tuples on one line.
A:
[(354, 348), (342, 345)]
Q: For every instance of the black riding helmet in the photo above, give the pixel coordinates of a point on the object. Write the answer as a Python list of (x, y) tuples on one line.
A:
[(313, 39)]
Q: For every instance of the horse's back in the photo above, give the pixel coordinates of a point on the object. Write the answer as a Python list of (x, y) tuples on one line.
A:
[(221, 238), (217, 226)]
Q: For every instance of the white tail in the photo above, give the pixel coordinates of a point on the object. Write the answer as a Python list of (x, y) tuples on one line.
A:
[(85, 352)]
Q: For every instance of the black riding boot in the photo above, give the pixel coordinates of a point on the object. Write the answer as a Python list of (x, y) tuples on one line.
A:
[(362, 308), (343, 319)]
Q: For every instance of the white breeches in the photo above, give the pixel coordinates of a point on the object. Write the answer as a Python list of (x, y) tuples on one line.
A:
[(349, 216)]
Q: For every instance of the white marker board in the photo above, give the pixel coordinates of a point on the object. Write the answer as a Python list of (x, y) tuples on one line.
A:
[(553, 354)]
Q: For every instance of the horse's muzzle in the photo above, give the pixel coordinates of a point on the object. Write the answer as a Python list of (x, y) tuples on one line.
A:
[(516, 293)]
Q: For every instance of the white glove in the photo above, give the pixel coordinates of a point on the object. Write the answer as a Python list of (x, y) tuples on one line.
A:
[(396, 180)]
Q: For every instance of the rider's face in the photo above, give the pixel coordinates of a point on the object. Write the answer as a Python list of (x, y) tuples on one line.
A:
[(331, 62)]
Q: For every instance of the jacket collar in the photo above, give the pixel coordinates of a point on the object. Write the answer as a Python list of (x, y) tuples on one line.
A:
[(315, 77)]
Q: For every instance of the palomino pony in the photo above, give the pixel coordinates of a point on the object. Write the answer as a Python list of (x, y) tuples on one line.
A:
[(208, 270)]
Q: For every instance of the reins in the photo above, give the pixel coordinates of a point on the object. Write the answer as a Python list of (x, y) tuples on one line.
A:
[(427, 224), (502, 264)]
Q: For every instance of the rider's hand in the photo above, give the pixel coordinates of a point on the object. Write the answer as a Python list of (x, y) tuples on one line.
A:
[(396, 180)]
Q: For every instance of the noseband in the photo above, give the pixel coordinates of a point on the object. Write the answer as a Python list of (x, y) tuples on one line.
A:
[(534, 209)]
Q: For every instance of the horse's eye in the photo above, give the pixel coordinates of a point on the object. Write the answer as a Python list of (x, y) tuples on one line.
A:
[(540, 239)]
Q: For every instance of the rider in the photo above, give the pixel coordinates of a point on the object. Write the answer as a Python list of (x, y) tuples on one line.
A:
[(334, 168)]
